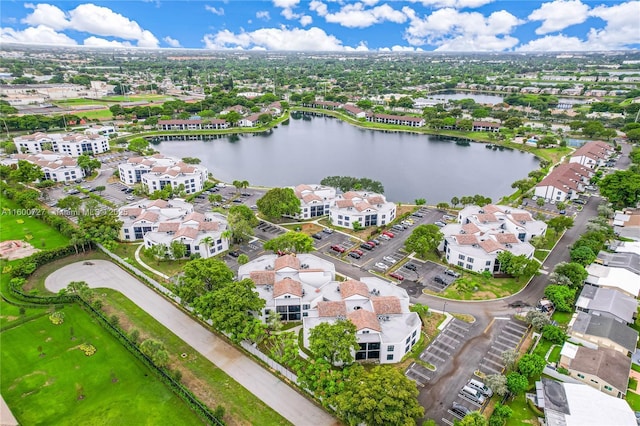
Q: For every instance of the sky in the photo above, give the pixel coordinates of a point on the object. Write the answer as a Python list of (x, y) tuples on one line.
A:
[(328, 25)]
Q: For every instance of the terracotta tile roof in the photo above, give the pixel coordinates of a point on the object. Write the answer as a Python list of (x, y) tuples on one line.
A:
[(133, 212), (344, 203), (375, 199), (466, 239), (352, 287), (168, 227), (490, 208), (263, 277), (198, 217), (522, 217), (173, 172), (386, 305), (352, 109), (307, 198), (136, 160), (362, 319), (159, 169), (186, 231), (490, 245), (158, 203), (303, 187), (148, 216), (470, 228), (350, 194), (507, 238), (287, 286), (486, 217), (287, 260), (208, 226), (332, 309), (363, 205)]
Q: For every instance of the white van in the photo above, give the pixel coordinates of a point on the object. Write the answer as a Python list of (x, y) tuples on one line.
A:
[(478, 385), (472, 394)]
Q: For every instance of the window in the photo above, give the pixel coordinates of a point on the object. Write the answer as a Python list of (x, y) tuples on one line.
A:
[(414, 333), (581, 376), (365, 331), (470, 259), (391, 348), (609, 388), (408, 340), (468, 266), (461, 256), (339, 216), (406, 349), (488, 263), (287, 296), (389, 357), (196, 248), (305, 307), (594, 381), (461, 263)]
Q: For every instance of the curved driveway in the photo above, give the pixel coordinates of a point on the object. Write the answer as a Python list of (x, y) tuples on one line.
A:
[(273, 391)]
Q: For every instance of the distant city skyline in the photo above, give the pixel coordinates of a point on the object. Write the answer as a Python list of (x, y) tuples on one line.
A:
[(329, 25)]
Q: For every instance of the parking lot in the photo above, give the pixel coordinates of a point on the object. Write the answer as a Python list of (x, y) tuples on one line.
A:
[(428, 275), (267, 231), (508, 337)]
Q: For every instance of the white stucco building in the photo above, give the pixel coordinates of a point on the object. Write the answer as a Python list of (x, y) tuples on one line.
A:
[(56, 167), (73, 144), (367, 208), (303, 287), (483, 232), (157, 171), (163, 222), (315, 200), (564, 183), (592, 154)]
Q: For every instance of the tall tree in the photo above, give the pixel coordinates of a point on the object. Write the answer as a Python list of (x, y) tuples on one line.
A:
[(424, 239), (296, 242), (278, 202), (178, 249), (621, 188), (382, 396), (561, 296), (201, 276), (88, 164), (334, 342), (474, 418), (575, 272), (531, 365)]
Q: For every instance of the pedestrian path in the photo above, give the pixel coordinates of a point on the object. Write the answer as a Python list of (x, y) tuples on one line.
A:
[(270, 389), (147, 267)]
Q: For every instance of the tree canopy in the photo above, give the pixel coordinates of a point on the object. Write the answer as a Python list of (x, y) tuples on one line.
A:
[(621, 188), (517, 266), (348, 183), (296, 242), (201, 276), (279, 202), (424, 239), (561, 296), (334, 342)]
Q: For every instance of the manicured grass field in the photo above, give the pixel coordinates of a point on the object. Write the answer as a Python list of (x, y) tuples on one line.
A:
[(478, 287), (10, 314), (98, 114), (47, 379), (522, 414), (634, 400), (18, 224), (562, 317)]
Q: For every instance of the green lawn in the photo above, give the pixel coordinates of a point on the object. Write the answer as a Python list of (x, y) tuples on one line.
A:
[(168, 267), (543, 347), (212, 385), (18, 224), (477, 287), (554, 356), (634, 400), (562, 318), (98, 114), (10, 314), (135, 98), (541, 255), (522, 414), (47, 379)]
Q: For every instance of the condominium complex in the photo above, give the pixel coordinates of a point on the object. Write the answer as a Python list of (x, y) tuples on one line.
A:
[(73, 144), (56, 167), (157, 171)]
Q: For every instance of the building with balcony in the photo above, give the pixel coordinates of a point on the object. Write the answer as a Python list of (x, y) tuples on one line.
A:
[(73, 144), (56, 167), (315, 200), (366, 208), (157, 171)]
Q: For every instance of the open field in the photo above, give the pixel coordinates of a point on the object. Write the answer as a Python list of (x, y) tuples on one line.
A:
[(137, 98), (478, 287), (99, 114), (18, 224), (47, 379)]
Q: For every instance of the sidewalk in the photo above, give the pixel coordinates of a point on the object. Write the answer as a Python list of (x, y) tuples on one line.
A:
[(147, 267)]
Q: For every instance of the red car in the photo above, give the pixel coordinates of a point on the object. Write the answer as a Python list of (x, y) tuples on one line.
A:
[(397, 276), (360, 252), (371, 243), (338, 248), (388, 234)]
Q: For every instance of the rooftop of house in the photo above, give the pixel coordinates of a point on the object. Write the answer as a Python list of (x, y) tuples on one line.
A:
[(607, 300), (594, 325), (609, 365), (628, 261), (610, 276)]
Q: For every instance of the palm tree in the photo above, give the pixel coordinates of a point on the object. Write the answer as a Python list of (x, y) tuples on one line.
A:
[(237, 184), (244, 184), (226, 234), (207, 242)]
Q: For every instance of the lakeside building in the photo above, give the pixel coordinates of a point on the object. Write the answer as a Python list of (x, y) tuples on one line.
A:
[(565, 182), (315, 200), (366, 208), (56, 167), (157, 171), (164, 222), (483, 232), (193, 124), (400, 120), (592, 154), (73, 144), (303, 287)]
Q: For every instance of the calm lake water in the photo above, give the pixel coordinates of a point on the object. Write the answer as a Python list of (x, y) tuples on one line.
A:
[(409, 165)]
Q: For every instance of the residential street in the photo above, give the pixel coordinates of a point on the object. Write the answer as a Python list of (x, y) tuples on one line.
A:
[(264, 385)]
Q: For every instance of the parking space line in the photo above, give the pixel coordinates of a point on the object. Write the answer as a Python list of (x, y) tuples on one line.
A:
[(448, 329), (512, 333), (447, 421), (417, 373), (490, 369), (450, 338), (509, 338), (441, 350), (496, 343), (469, 401), (432, 356), (519, 327)]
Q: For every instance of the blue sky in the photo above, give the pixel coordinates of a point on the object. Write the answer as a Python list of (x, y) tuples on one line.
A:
[(329, 25)]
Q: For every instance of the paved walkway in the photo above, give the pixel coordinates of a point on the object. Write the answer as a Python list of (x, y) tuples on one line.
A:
[(147, 267), (273, 391)]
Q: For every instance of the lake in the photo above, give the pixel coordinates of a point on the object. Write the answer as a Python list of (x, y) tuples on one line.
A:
[(409, 165)]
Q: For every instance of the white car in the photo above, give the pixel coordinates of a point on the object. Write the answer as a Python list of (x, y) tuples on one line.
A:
[(385, 237), (382, 266), (389, 259)]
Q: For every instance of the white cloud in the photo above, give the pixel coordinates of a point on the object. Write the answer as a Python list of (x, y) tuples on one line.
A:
[(219, 11), (306, 20), (172, 42), (619, 32), (91, 19), (356, 15), (263, 14), (287, 8), (318, 7), (35, 35), (450, 29), (46, 14), (296, 39), (101, 42), (559, 14), (455, 4)]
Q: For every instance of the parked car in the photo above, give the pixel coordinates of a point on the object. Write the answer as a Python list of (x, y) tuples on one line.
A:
[(366, 246), (246, 194), (398, 227), (338, 248), (382, 266), (317, 236), (397, 276), (355, 255), (360, 252), (440, 280), (377, 241), (388, 234), (327, 231), (130, 198), (580, 201), (411, 267), (590, 188), (385, 237), (452, 273), (440, 224), (562, 212), (416, 214), (234, 253), (484, 389), (544, 305), (389, 259), (448, 217), (459, 410), (371, 243)]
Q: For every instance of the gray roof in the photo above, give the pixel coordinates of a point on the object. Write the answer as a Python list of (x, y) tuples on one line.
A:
[(628, 261), (609, 328), (607, 302), (609, 365), (555, 397)]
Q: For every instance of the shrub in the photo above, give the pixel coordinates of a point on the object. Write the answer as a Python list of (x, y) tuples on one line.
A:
[(57, 318), (88, 349)]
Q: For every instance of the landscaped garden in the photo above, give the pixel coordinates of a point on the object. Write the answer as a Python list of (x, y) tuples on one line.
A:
[(48, 379), (478, 287)]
